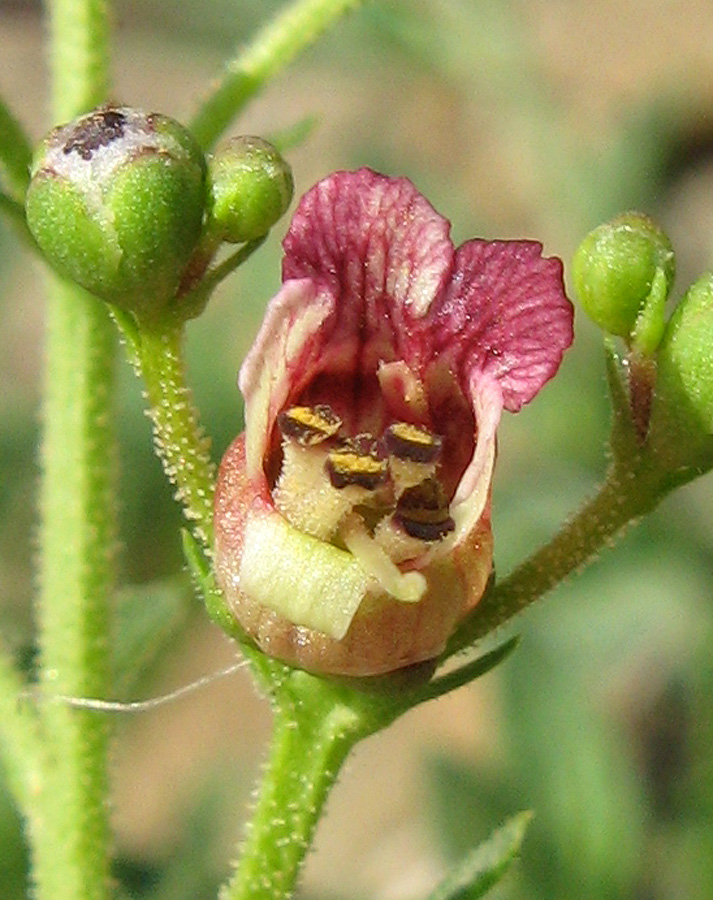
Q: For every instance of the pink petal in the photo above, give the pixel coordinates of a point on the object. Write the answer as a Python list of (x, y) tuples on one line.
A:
[(280, 361), (504, 315), (378, 244)]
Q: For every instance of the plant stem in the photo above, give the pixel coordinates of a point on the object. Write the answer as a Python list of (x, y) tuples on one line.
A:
[(180, 441), (77, 532), (310, 743), (77, 538), (274, 47), (630, 490), (79, 59)]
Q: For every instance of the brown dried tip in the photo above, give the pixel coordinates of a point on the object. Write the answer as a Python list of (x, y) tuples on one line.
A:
[(309, 425), (422, 511), (97, 130)]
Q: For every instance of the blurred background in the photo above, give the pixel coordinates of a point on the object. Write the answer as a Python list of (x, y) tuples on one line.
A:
[(517, 118)]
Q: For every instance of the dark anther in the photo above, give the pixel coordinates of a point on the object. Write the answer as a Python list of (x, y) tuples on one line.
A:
[(422, 511), (357, 461), (412, 442), (309, 425), (95, 131)]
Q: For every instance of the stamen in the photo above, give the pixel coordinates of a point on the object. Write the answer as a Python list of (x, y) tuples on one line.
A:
[(357, 462), (422, 511), (309, 425), (412, 442), (408, 587), (413, 454)]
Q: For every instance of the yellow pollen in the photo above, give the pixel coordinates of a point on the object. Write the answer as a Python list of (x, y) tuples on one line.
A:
[(412, 442), (352, 464), (309, 425)]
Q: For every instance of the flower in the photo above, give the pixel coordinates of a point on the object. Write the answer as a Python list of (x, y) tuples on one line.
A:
[(352, 517)]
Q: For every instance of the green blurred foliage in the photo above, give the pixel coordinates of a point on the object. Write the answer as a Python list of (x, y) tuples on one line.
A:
[(603, 719)]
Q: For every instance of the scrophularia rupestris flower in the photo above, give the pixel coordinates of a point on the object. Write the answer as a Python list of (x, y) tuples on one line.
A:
[(352, 517)]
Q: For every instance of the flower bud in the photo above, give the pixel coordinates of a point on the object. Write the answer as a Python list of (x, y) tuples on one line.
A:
[(682, 415), (116, 203), (623, 272), (250, 187)]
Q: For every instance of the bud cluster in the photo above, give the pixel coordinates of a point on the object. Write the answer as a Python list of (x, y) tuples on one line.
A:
[(122, 201), (623, 272)]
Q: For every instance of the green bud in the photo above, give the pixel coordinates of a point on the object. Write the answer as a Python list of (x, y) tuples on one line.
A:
[(250, 186), (682, 415), (116, 203), (623, 272)]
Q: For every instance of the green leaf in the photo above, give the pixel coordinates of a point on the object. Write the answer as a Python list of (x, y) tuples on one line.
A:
[(202, 575), (486, 864), (148, 617), (15, 154), (470, 671)]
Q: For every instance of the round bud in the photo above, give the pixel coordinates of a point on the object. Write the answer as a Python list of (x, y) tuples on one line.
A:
[(250, 187), (618, 268), (116, 202)]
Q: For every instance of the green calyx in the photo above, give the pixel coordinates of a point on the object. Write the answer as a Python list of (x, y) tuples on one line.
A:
[(623, 272), (250, 186), (682, 413), (116, 203)]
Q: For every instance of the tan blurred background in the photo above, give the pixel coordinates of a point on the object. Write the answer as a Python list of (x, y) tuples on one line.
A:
[(521, 118)]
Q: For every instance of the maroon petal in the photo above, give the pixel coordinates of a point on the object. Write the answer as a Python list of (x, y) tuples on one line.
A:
[(375, 243), (504, 315)]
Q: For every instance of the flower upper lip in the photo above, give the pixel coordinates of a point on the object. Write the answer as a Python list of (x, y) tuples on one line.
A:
[(381, 317)]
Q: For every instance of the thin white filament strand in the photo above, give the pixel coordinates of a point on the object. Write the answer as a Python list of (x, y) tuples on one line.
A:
[(143, 705)]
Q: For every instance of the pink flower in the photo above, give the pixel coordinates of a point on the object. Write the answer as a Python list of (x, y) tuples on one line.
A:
[(353, 515)]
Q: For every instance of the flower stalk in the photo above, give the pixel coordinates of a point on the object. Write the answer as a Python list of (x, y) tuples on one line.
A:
[(274, 47), (628, 492), (180, 441), (308, 748)]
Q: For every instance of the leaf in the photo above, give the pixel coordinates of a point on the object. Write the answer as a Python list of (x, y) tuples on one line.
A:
[(202, 575), (484, 866), (470, 671), (294, 135), (148, 618)]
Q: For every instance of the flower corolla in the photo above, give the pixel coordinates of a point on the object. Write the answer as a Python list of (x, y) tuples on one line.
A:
[(352, 517)]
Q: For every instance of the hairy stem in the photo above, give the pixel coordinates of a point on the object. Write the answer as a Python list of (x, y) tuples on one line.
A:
[(76, 579), (273, 48), (629, 492), (79, 56), (309, 745), (180, 441), (70, 834)]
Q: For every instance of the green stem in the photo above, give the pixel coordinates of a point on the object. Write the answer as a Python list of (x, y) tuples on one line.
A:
[(180, 441), (79, 37), (310, 743), (274, 47), (629, 491), (71, 835), (77, 538)]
